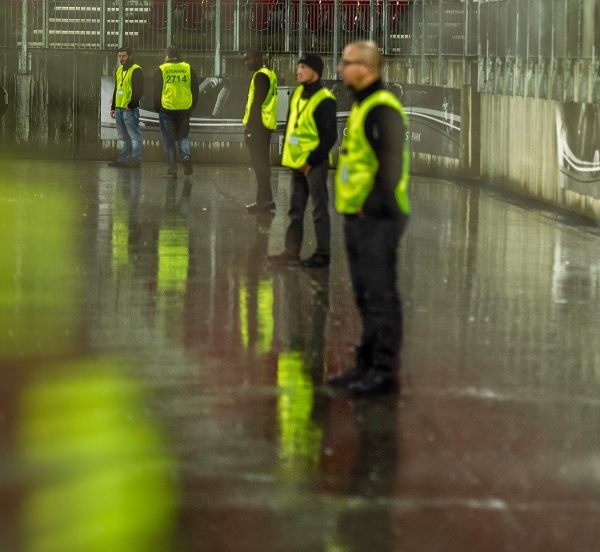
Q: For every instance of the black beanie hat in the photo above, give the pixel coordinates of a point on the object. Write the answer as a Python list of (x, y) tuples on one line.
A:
[(313, 61)]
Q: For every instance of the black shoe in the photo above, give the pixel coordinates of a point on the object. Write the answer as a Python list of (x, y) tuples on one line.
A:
[(119, 164), (135, 165), (171, 175), (344, 379), (316, 261), (284, 258), (187, 168), (261, 207), (374, 382)]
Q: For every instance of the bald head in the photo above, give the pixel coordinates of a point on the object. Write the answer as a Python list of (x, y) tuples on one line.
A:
[(360, 65), (368, 52)]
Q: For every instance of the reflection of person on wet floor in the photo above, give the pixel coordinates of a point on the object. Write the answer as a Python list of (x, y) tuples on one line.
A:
[(175, 97), (260, 120), (371, 192), (372, 477), (310, 134), (125, 110)]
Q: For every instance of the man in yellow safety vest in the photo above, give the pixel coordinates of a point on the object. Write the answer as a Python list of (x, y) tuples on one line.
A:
[(125, 110), (371, 193), (175, 97), (311, 132), (260, 120)]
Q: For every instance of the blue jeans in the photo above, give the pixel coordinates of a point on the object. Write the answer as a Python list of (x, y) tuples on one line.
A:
[(128, 129), (175, 127)]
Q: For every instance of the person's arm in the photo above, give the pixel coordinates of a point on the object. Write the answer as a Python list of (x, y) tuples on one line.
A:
[(114, 99), (327, 128), (3, 100), (384, 129), (195, 89), (157, 90), (261, 89), (137, 88)]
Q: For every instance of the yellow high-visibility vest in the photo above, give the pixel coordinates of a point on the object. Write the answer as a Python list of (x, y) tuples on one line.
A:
[(177, 86), (358, 164), (269, 107), (302, 135), (124, 87)]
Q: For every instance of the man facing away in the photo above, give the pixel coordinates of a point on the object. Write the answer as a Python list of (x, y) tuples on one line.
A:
[(125, 110), (175, 97), (260, 120), (371, 192), (310, 134)]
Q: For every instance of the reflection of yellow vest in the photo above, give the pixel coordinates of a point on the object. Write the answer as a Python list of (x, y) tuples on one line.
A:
[(358, 164), (269, 106), (177, 86), (302, 135), (124, 87)]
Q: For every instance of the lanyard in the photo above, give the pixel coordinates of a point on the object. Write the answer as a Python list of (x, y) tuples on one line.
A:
[(300, 111), (123, 75)]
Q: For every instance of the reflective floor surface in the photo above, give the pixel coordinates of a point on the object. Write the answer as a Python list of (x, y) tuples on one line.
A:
[(162, 387)]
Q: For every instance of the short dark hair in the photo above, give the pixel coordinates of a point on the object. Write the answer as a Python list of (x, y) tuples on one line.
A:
[(126, 49), (172, 51)]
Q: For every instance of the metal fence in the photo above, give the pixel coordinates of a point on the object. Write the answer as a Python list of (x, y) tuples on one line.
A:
[(561, 29), (508, 28)]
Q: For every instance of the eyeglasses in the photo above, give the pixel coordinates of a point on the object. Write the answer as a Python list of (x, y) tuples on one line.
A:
[(346, 62)]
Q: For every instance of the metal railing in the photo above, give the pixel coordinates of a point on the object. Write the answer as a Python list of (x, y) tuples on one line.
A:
[(564, 29), (322, 26)]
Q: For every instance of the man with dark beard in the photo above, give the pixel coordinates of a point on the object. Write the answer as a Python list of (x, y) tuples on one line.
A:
[(125, 110)]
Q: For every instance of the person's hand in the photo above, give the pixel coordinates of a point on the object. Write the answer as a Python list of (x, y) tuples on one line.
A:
[(305, 169), (112, 113)]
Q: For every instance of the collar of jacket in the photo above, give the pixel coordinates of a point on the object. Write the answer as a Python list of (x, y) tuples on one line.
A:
[(310, 89), (360, 95)]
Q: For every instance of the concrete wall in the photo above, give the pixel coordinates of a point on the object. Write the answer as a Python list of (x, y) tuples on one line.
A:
[(519, 148), (506, 140)]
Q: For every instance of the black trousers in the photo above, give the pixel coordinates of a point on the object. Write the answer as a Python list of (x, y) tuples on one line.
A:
[(259, 147), (372, 246), (315, 185)]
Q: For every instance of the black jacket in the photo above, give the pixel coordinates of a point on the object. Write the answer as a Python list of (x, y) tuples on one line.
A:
[(262, 84), (385, 131)]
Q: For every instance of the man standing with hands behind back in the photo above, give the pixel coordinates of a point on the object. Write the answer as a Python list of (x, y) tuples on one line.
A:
[(125, 110), (371, 192), (310, 134), (260, 120)]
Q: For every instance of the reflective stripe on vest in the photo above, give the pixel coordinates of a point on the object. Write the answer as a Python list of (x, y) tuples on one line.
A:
[(269, 106), (124, 86), (302, 135), (358, 164), (177, 86)]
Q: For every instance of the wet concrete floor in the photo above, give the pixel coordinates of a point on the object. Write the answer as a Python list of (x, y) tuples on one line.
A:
[(162, 388)]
